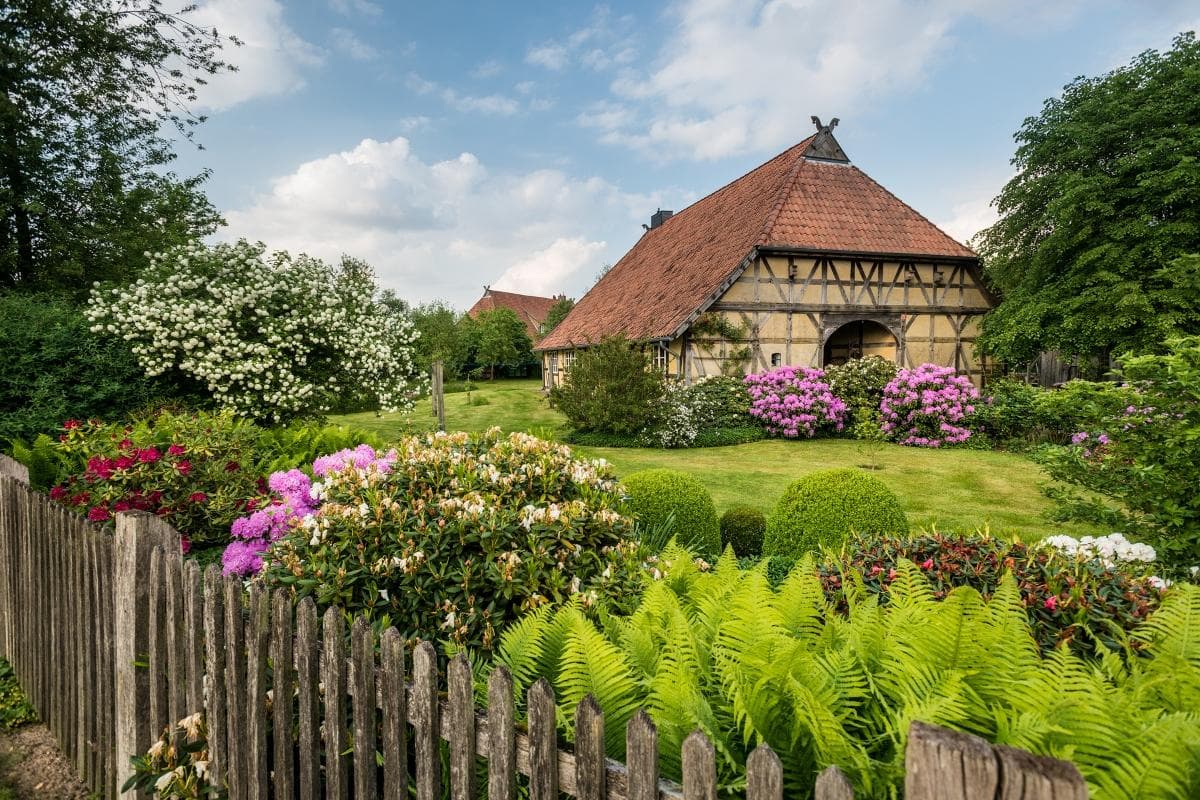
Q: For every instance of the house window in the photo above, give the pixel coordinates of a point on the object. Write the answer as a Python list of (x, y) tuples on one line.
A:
[(776, 359), (661, 359), (568, 360), (791, 269)]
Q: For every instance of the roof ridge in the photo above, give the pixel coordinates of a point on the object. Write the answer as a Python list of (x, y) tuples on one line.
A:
[(785, 191), (922, 217)]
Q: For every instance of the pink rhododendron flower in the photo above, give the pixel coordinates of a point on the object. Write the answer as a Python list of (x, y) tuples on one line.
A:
[(926, 406)]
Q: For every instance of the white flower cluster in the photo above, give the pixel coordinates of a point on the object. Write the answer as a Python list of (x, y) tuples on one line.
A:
[(1110, 550), (270, 337), (677, 426)]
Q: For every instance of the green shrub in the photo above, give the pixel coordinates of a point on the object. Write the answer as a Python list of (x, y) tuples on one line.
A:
[(56, 369), (824, 507), (724, 437), (15, 708), (721, 651), (720, 401), (462, 535), (1137, 469), (602, 439), (610, 388), (742, 528), (1008, 411), (860, 383), (1078, 406), (656, 493)]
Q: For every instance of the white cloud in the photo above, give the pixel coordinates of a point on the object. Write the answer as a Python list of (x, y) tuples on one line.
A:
[(550, 56), (352, 7), (496, 104), (602, 43), (272, 60), (738, 77), (443, 229), (969, 218), (487, 69), (548, 270), (344, 41)]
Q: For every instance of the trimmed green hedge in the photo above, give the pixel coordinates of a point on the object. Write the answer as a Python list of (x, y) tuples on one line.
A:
[(742, 527), (824, 507), (654, 494)]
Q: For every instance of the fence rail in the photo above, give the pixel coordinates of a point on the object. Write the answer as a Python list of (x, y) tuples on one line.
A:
[(116, 636)]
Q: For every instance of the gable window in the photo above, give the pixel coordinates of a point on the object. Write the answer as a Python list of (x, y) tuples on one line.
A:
[(776, 359), (568, 360)]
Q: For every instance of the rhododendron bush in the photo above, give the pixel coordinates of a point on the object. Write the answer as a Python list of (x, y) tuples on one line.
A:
[(928, 406), (271, 337), (453, 535), (194, 470), (795, 401), (291, 499)]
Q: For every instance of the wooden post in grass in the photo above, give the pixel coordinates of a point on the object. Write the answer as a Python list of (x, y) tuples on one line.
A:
[(138, 534), (439, 395)]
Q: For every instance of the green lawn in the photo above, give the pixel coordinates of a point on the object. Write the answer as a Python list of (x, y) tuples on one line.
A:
[(953, 489)]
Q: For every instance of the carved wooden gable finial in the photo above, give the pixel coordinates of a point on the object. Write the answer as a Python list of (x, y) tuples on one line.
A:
[(824, 146)]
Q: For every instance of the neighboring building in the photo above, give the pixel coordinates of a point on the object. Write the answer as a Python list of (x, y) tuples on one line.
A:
[(804, 261), (530, 309)]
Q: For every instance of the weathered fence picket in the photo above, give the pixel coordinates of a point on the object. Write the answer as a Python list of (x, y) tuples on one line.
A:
[(115, 636)]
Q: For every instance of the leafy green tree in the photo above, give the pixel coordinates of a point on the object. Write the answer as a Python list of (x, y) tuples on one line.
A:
[(442, 337), (87, 88), (1091, 250), (557, 313), (502, 341), (611, 388)]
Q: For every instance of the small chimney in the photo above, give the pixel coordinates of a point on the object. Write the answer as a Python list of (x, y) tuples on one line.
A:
[(659, 217)]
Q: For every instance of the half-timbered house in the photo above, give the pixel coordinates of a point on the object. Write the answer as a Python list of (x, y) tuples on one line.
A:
[(804, 261)]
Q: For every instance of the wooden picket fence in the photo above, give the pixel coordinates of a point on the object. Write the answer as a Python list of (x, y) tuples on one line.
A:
[(114, 637)]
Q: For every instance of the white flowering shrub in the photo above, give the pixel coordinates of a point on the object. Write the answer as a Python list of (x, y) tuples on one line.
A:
[(1111, 550), (271, 337), (675, 425)]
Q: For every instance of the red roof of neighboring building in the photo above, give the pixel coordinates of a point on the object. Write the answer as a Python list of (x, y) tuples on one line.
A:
[(531, 309), (789, 202)]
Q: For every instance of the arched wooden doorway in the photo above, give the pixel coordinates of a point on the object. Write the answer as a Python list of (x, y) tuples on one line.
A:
[(862, 337)]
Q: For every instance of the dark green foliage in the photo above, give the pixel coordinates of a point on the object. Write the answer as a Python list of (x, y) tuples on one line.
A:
[(443, 338), (824, 507), (720, 651), (610, 388), (720, 402), (724, 437), (656, 494), (860, 383), (90, 90), (557, 313), (1094, 250), (1007, 411), (56, 369), (1142, 477), (15, 708), (1094, 608), (713, 437), (742, 528), (501, 342), (1021, 415)]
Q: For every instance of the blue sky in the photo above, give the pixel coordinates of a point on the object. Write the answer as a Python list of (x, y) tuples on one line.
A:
[(522, 144)]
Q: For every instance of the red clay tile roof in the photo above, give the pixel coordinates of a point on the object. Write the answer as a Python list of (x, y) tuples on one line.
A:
[(790, 201), (531, 309)]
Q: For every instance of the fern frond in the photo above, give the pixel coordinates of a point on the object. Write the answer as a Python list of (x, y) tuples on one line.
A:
[(593, 665), (1174, 627)]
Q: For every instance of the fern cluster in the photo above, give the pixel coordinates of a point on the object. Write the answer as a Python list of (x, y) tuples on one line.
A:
[(722, 652)]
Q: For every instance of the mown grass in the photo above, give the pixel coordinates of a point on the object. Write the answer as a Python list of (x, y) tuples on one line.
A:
[(954, 490)]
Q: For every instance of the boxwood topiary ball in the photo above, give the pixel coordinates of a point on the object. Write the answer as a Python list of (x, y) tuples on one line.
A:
[(824, 507), (655, 493), (742, 527)]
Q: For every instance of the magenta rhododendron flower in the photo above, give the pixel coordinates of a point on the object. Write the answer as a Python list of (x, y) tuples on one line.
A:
[(291, 500), (927, 406), (794, 401)]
